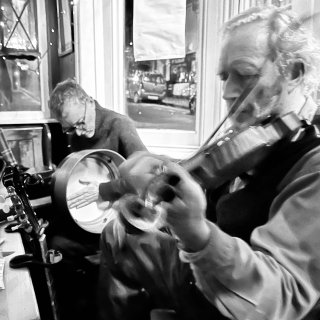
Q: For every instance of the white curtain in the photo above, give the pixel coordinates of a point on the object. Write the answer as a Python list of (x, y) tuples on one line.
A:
[(159, 29)]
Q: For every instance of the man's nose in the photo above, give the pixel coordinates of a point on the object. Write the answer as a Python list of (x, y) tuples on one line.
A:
[(231, 89), (79, 132)]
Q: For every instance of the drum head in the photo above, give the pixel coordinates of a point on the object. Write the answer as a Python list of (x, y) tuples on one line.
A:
[(88, 165)]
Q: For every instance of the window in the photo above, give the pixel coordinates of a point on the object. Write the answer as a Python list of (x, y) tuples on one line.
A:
[(21, 63), (166, 107), (168, 101)]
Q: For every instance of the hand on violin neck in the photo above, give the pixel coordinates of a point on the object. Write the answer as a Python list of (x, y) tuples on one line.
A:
[(172, 189), (162, 188), (140, 169), (186, 210)]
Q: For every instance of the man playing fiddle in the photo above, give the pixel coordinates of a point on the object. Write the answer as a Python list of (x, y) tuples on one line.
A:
[(254, 252)]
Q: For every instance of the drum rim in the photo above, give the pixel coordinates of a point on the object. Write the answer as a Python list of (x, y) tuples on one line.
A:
[(60, 182)]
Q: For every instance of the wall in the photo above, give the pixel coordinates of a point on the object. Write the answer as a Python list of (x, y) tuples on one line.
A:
[(63, 67)]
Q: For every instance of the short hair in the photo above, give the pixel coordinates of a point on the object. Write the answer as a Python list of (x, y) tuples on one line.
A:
[(289, 40), (65, 90)]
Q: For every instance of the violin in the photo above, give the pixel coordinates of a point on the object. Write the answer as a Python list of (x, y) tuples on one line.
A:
[(238, 152), (213, 165)]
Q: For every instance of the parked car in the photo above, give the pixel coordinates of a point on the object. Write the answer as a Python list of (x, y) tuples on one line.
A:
[(146, 86)]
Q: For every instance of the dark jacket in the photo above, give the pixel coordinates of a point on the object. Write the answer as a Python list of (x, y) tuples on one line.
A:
[(113, 131)]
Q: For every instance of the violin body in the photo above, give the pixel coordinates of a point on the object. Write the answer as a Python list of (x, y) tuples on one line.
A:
[(223, 160), (239, 152)]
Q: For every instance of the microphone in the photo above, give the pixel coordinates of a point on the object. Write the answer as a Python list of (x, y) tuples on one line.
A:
[(6, 151)]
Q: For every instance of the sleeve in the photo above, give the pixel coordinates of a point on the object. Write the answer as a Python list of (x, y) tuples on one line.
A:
[(130, 141), (278, 276), (119, 297), (115, 189)]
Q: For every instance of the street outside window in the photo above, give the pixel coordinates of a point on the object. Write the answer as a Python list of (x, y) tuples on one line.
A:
[(161, 94)]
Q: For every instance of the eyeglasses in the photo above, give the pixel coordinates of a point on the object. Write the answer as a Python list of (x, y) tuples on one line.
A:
[(77, 124)]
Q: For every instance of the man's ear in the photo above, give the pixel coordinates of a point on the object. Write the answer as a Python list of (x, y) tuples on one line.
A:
[(295, 73)]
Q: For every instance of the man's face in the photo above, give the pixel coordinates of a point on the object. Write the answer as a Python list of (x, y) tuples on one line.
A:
[(243, 59), (74, 118)]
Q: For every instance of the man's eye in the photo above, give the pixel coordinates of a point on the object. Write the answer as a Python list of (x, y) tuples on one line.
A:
[(248, 76), (223, 76)]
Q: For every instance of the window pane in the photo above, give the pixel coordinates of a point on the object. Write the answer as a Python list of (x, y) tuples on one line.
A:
[(18, 22), (19, 63), (19, 85), (161, 94)]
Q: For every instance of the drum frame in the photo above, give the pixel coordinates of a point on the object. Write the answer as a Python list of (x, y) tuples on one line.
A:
[(64, 171)]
